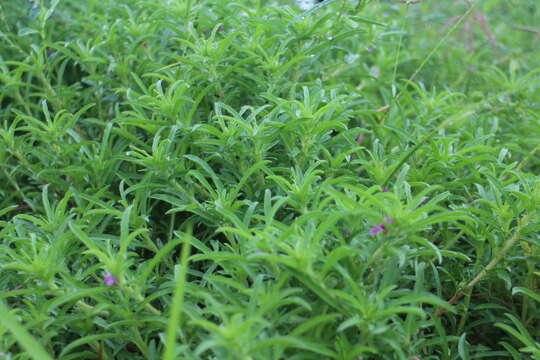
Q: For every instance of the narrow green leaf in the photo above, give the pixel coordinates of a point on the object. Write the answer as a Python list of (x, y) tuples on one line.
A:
[(24, 338)]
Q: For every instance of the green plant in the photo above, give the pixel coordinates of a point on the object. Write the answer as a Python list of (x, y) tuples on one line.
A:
[(241, 180)]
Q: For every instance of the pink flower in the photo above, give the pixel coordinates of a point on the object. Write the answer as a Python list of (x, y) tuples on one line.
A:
[(109, 280), (377, 229), (381, 227)]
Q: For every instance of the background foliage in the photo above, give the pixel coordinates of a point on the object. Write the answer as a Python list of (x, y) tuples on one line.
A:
[(228, 162)]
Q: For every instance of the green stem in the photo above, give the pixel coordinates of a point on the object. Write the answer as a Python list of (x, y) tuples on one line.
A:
[(137, 296), (178, 301)]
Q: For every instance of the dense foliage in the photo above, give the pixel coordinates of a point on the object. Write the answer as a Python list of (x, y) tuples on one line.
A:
[(223, 179)]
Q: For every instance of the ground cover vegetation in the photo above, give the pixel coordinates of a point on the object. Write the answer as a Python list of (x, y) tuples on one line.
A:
[(223, 179)]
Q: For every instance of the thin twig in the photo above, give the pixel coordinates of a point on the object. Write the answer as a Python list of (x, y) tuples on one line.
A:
[(507, 246), (443, 39), (526, 28)]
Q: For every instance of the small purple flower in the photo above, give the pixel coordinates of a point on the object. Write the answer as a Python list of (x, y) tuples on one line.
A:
[(388, 220), (377, 229), (385, 189), (370, 50), (109, 280)]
